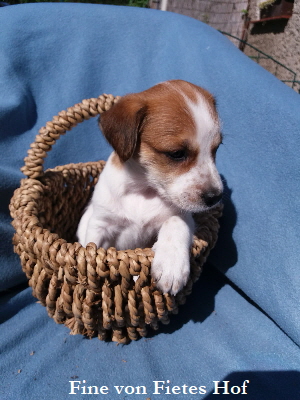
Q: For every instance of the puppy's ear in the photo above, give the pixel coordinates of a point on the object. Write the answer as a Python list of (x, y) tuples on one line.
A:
[(121, 125)]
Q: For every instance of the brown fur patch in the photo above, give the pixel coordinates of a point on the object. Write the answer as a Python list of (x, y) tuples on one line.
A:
[(150, 124), (169, 126), (121, 124), (191, 91)]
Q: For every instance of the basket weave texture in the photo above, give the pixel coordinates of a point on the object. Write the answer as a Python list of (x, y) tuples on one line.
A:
[(90, 290)]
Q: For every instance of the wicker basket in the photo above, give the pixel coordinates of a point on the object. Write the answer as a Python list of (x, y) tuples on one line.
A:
[(90, 290)]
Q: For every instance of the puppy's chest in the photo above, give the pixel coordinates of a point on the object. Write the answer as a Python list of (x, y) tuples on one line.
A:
[(140, 211)]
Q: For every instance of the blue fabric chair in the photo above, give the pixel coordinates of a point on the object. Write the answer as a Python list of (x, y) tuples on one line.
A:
[(239, 331)]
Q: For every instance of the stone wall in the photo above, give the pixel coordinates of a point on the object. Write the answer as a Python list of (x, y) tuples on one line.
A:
[(279, 39)]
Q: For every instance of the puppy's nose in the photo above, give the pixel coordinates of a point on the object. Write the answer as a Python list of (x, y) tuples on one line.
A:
[(211, 197)]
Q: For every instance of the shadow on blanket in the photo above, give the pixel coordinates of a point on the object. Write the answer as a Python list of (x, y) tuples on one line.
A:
[(281, 385)]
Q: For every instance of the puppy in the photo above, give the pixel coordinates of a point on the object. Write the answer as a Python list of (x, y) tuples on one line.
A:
[(162, 171)]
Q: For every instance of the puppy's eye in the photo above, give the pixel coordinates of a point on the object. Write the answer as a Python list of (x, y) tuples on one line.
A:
[(178, 155)]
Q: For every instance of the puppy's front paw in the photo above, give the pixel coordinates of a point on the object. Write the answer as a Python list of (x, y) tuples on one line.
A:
[(170, 268)]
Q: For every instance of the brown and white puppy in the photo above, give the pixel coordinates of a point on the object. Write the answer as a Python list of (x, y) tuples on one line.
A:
[(161, 171)]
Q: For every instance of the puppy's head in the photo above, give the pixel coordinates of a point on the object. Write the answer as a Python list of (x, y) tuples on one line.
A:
[(172, 130)]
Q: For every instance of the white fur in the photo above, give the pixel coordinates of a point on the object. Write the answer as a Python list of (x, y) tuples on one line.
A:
[(133, 206), (189, 184), (123, 212)]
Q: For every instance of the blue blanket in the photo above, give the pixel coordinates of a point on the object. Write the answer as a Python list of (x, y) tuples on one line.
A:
[(239, 331)]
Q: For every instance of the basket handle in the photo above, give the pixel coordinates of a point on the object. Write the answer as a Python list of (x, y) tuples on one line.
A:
[(64, 121)]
